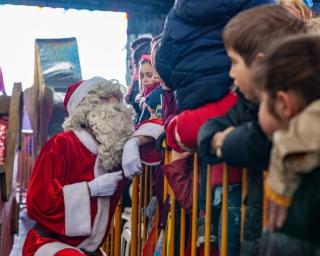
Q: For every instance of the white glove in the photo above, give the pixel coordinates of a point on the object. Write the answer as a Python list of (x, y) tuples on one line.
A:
[(105, 185), (131, 163)]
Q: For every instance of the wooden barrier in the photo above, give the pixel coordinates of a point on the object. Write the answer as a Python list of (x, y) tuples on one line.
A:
[(11, 108), (139, 215), (165, 195), (142, 192), (244, 193), (117, 229), (182, 231), (224, 228), (134, 217), (265, 205), (194, 207), (26, 160), (208, 213)]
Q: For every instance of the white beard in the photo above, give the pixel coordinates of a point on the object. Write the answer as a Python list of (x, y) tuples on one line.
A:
[(112, 127)]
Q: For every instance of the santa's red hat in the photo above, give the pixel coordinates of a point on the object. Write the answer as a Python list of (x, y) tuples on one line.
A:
[(77, 91)]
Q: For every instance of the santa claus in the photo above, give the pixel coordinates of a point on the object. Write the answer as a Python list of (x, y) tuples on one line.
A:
[(77, 180)]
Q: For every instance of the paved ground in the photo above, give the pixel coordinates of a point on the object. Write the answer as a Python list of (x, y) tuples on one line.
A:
[(24, 225)]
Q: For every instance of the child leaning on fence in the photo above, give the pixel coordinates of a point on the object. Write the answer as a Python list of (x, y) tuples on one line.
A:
[(237, 138), (289, 89)]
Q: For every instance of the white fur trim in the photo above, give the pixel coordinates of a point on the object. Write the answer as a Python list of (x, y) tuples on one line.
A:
[(50, 249), (149, 129), (151, 163), (100, 223), (78, 95), (77, 209), (87, 140)]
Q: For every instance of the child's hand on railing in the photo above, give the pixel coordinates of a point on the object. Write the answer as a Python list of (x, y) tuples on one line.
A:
[(218, 139)]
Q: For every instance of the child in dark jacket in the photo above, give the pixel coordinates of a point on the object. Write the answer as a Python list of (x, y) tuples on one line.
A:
[(191, 59), (237, 137), (288, 82), (149, 88), (139, 47)]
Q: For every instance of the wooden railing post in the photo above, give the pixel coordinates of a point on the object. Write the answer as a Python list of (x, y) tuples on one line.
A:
[(134, 216), (208, 213), (182, 231), (265, 203), (194, 207), (243, 197), (224, 233), (118, 226)]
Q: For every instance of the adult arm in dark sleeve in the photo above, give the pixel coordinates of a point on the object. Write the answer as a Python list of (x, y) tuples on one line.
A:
[(247, 146), (242, 112), (209, 129)]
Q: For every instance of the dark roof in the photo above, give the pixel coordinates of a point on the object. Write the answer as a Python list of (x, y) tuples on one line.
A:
[(158, 6)]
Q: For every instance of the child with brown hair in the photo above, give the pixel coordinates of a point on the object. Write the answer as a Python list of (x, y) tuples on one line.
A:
[(139, 47), (237, 138), (298, 8), (289, 88)]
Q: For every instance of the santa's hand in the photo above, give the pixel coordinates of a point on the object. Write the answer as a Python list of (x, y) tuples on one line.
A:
[(131, 162), (105, 185)]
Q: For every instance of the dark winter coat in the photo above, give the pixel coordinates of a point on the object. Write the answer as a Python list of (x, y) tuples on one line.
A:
[(191, 59)]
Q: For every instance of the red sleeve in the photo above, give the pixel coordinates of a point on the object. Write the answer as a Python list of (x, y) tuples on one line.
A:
[(58, 196)]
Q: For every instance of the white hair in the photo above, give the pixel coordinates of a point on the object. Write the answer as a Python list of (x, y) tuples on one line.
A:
[(104, 89), (112, 126)]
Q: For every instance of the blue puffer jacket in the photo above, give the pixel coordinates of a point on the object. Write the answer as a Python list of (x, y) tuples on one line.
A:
[(191, 59)]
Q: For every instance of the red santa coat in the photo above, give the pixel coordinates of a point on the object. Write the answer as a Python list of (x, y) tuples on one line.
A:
[(58, 197)]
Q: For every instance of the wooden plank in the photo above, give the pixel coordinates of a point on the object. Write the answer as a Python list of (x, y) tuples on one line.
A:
[(15, 217), (134, 216), (3, 186), (12, 138), (118, 227), (224, 225), (194, 207), (208, 213), (4, 104)]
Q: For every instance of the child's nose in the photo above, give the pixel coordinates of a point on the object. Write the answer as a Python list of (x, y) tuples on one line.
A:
[(145, 80)]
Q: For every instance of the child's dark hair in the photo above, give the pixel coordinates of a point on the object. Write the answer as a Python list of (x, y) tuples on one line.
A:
[(252, 31), (156, 42), (291, 64), (141, 40), (142, 49)]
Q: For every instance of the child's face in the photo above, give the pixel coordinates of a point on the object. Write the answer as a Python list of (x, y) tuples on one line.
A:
[(268, 122), (241, 74), (286, 105), (146, 75)]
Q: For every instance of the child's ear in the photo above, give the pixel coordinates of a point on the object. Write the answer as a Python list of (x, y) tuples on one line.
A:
[(259, 57), (287, 104)]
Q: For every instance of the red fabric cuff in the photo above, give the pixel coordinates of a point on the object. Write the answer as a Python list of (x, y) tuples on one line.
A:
[(189, 121), (170, 133)]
